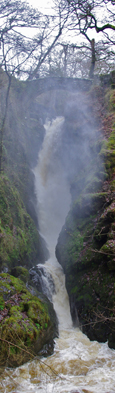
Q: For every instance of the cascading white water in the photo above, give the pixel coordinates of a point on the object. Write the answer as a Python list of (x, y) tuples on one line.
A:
[(51, 186), (54, 200), (77, 365)]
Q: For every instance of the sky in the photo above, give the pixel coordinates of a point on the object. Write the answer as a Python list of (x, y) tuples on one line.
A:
[(41, 5), (45, 6)]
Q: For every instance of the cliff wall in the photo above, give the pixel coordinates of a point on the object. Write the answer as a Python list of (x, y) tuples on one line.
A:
[(86, 244)]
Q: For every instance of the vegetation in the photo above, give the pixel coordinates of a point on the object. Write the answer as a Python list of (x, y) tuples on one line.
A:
[(86, 245), (19, 239), (25, 324), (86, 45)]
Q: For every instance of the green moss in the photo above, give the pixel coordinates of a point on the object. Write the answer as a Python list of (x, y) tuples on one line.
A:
[(90, 266), (20, 272), (103, 151), (2, 303), (24, 321), (19, 239)]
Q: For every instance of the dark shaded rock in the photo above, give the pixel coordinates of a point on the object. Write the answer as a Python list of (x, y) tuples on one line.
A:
[(86, 244), (42, 280)]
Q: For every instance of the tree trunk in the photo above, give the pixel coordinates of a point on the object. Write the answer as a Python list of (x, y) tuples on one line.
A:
[(93, 59), (3, 121)]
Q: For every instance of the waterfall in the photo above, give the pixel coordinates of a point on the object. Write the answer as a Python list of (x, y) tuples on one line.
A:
[(51, 185), (77, 365), (54, 199)]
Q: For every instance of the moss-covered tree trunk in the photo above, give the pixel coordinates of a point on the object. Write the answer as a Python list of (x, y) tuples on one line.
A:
[(3, 120), (93, 59)]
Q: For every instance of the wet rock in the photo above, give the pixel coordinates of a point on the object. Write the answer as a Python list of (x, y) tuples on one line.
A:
[(42, 280)]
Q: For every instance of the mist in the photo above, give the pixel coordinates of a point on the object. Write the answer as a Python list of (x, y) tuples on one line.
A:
[(68, 161), (51, 185)]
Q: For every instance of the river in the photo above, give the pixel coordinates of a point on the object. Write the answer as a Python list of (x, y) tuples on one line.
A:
[(77, 365)]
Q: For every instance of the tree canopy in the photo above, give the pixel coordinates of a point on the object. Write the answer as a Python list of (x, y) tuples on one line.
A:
[(74, 29), (90, 32), (26, 37)]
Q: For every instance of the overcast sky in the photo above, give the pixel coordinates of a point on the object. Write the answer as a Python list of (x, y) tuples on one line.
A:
[(42, 5), (45, 6)]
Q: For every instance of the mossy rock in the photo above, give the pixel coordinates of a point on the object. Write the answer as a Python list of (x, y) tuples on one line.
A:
[(93, 296), (21, 273), (108, 249), (86, 244), (26, 325), (20, 243)]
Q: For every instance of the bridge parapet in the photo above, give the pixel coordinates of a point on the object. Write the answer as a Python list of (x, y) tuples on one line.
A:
[(49, 83)]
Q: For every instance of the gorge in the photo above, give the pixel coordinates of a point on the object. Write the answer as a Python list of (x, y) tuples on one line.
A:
[(74, 183)]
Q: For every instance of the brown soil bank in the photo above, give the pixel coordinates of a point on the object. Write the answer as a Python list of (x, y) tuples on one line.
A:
[(86, 244)]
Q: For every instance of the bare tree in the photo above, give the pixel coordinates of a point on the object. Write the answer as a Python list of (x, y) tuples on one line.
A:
[(16, 48), (26, 39), (87, 16), (87, 19), (95, 16), (22, 34)]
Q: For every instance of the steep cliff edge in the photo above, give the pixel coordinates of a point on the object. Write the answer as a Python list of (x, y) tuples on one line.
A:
[(86, 244)]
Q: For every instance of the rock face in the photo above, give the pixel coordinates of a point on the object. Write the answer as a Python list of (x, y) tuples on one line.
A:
[(86, 244), (20, 242)]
